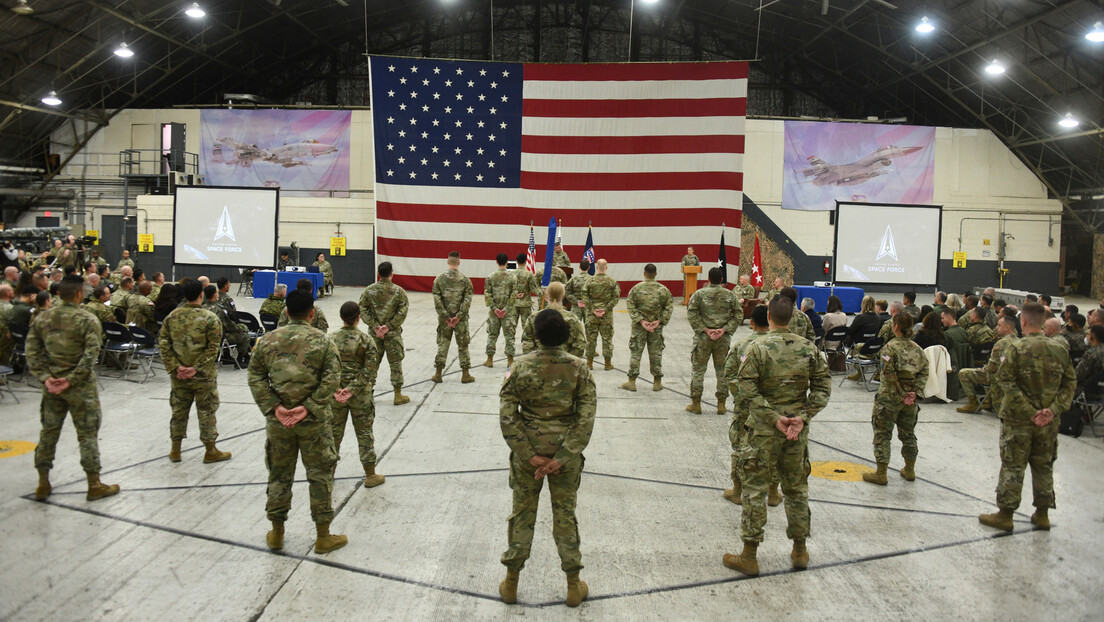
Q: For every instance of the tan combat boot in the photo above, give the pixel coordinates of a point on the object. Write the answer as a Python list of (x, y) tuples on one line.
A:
[(745, 562), (657, 384), (590, 362), (489, 362), (275, 537), (1002, 520), (508, 588), (214, 455), (509, 360), (855, 376), (466, 377), (371, 478), (879, 476), (630, 385), (576, 590), (909, 472), (174, 453), (733, 494), (400, 399), (773, 496), (695, 406), (1040, 519), (971, 406), (326, 541), (44, 487), (609, 364), (721, 409), (98, 490), (799, 555), (437, 376), (987, 404)]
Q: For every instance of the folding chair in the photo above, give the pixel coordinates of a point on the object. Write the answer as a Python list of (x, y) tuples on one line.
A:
[(146, 352), (982, 353), (1091, 400), (229, 350), (246, 285), (120, 345), (19, 350), (838, 351), (5, 384), (866, 359), (120, 314), (250, 322), (818, 336), (269, 322)]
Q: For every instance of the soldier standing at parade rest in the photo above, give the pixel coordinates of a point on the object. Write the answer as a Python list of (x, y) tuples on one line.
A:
[(601, 296), (359, 362), (650, 306), (452, 298), (498, 294), (383, 308), (575, 292), (189, 342), (62, 346), (547, 408), (785, 382), (904, 374), (714, 314), (576, 342), (1037, 381), (527, 285), (293, 375)]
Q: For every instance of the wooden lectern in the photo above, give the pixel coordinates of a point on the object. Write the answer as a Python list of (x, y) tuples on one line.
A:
[(690, 282)]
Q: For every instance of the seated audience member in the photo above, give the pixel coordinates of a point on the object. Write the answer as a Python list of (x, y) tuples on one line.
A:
[(1045, 301), (1068, 311), (1095, 317), (867, 321), (808, 305), (924, 311), (881, 307), (931, 332), (970, 303), (1092, 362), (167, 300), (835, 317), (1075, 334), (1031, 298), (909, 302), (954, 303)]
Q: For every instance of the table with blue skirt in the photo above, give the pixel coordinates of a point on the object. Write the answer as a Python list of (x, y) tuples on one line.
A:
[(851, 297), (264, 281)]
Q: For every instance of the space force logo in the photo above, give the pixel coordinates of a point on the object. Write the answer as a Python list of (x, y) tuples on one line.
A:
[(225, 228), (886, 260), (887, 249)]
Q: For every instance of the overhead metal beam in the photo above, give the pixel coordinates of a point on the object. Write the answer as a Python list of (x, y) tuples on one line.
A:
[(29, 108), (1051, 139)]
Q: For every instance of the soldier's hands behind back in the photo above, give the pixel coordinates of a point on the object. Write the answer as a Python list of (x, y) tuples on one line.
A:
[(1043, 417)]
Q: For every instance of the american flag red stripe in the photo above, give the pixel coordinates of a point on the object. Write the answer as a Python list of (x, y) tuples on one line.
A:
[(530, 253), (649, 154)]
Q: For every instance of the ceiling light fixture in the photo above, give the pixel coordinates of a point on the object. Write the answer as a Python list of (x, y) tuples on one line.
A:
[(1069, 121), (649, 1), (123, 51), (22, 8), (51, 99), (195, 11), (1096, 35), (994, 68), (925, 26)]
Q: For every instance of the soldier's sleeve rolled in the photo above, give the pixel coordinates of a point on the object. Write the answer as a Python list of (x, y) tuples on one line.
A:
[(329, 382), (509, 420), (577, 436), (263, 395)]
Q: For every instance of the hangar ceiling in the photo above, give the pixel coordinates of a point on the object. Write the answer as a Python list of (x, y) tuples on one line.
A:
[(843, 59)]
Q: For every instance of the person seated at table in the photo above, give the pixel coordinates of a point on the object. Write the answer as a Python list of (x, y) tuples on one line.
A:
[(867, 321), (327, 272)]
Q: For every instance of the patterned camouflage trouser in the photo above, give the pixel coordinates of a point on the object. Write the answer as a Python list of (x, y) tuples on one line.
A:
[(580, 313), (392, 346), (599, 326), (884, 417), (654, 340), (363, 410), (737, 434), (205, 395), (1024, 444), (506, 326), (444, 341), (763, 451), (83, 403), (314, 440), (972, 380), (521, 314), (563, 489), (704, 349), (240, 339)]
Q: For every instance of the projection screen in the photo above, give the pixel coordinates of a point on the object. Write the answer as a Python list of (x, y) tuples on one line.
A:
[(224, 226), (887, 244)]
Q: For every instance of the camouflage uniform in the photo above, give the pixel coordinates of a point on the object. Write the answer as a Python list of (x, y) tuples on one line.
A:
[(576, 343), (282, 264), (914, 311), (712, 307), (385, 304), (125, 262), (452, 297), (648, 300), (775, 373), (575, 292), (100, 310), (744, 292), (120, 299), (547, 408), (1076, 341), (602, 291), (236, 334), (64, 342), (140, 311), (327, 273), (558, 275), (19, 314), (904, 370), (526, 285), (498, 293), (1091, 365), (1035, 374), (690, 260), (978, 333), (1060, 340), (972, 378), (801, 326), (771, 293), (318, 322), (273, 306), (560, 259), (297, 366), (227, 303), (737, 430), (359, 363), (190, 337)]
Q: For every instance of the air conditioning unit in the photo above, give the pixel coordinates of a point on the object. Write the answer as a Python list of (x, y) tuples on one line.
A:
[(177, 178)]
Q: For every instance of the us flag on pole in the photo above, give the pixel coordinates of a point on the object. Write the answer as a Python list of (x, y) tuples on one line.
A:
[(531, 253), (468, 153)]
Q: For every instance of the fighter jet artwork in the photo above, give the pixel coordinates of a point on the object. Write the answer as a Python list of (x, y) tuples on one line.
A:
[(857, 172), (287, 156)]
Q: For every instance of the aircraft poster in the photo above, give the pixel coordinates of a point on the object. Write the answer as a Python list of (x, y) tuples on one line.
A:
[(860, 162), (306, 150)]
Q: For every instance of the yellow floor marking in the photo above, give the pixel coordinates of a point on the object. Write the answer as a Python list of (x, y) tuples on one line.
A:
[(840, 471)]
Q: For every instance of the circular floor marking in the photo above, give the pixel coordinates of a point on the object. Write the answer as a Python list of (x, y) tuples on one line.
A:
[(11, 449), (840, 471)]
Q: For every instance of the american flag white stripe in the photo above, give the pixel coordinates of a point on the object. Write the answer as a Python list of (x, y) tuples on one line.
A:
[(622, 163), (671, 126), (561, 199), (640, 89)]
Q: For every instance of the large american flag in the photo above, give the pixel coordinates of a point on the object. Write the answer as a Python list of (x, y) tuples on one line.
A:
[(469, 153)]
